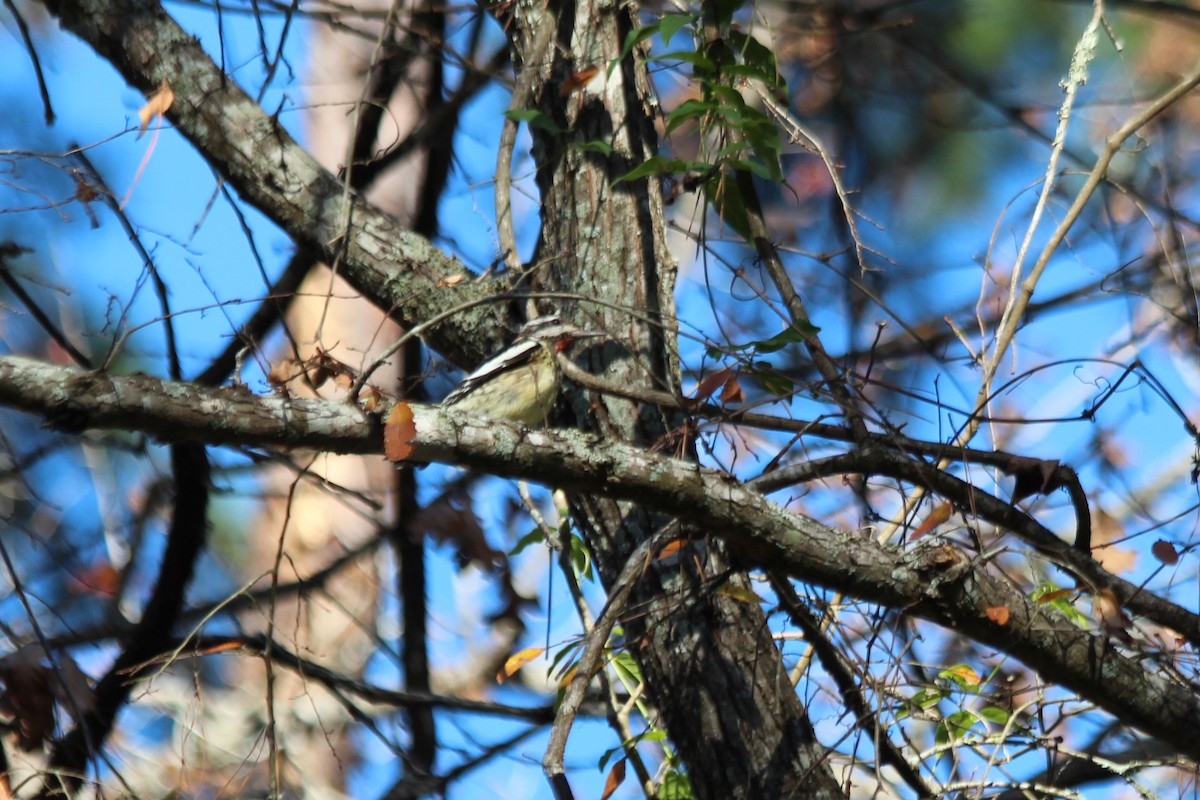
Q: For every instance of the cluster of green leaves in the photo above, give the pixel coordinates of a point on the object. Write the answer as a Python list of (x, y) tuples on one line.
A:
[(958, 685), (736, 136), (749, 355)]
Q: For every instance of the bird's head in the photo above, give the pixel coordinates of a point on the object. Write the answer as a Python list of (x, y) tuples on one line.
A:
[(554, 332)]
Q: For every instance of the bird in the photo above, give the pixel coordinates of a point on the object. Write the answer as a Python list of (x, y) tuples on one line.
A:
[(520, 382)]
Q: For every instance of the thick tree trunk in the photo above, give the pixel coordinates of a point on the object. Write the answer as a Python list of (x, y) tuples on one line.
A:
[(709, 660)]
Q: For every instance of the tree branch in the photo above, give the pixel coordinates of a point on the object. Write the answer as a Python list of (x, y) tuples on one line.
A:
[(936, 582)]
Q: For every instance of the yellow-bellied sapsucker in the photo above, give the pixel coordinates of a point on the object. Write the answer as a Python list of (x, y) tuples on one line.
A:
[(519, 383)]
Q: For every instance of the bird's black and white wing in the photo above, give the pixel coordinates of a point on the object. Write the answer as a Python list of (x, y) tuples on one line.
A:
[(518, 353)]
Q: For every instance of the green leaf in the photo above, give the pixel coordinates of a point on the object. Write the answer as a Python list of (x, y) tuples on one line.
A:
[(581, 559), (726, 199), (757, 60), (565, 653), (959, 724), (627, 667), (675, 786), (1060, 604), (699, 61), (636, 37), (928, 697), (795, 333), (995, 715), (596, 146), (728, 96), (688, 110), (963, 676), (532, 537), (671, 24), (533, 118), (655, 165), (774, 383)]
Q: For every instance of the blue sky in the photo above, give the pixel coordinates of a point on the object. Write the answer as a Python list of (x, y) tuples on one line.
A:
[(210, 265)]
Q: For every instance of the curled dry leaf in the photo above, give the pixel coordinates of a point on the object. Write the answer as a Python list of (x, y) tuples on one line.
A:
[(1106, 608), (156, 106), (616, 776), (370, 398), (518, 660), (711, 383), (282, 372), (670, 548), (578, 80), (450, 519), (398, 432), (936, 517), (733, 393), (1033, 476), (32, 684)]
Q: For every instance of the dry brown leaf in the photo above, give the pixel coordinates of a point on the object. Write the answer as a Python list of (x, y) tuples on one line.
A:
[(671, 548), (578, 80), (370, 398), (1164, 551), (518, 660), (101, 579), (453, 280), (281, 373), (998, 614), (449, 519), (29, 693), (1106, 608), (616, 776), (1033, 476), (733, 393), (710, 384), (1107, 529), (398, 432), (1050, 597), (936, 517), (156, 106)]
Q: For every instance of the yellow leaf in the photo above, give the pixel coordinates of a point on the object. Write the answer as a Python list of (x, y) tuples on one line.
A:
[(518, 660), (568, 676), (962, 673)]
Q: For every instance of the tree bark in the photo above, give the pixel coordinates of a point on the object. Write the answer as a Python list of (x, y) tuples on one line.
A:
[(709, 661)]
